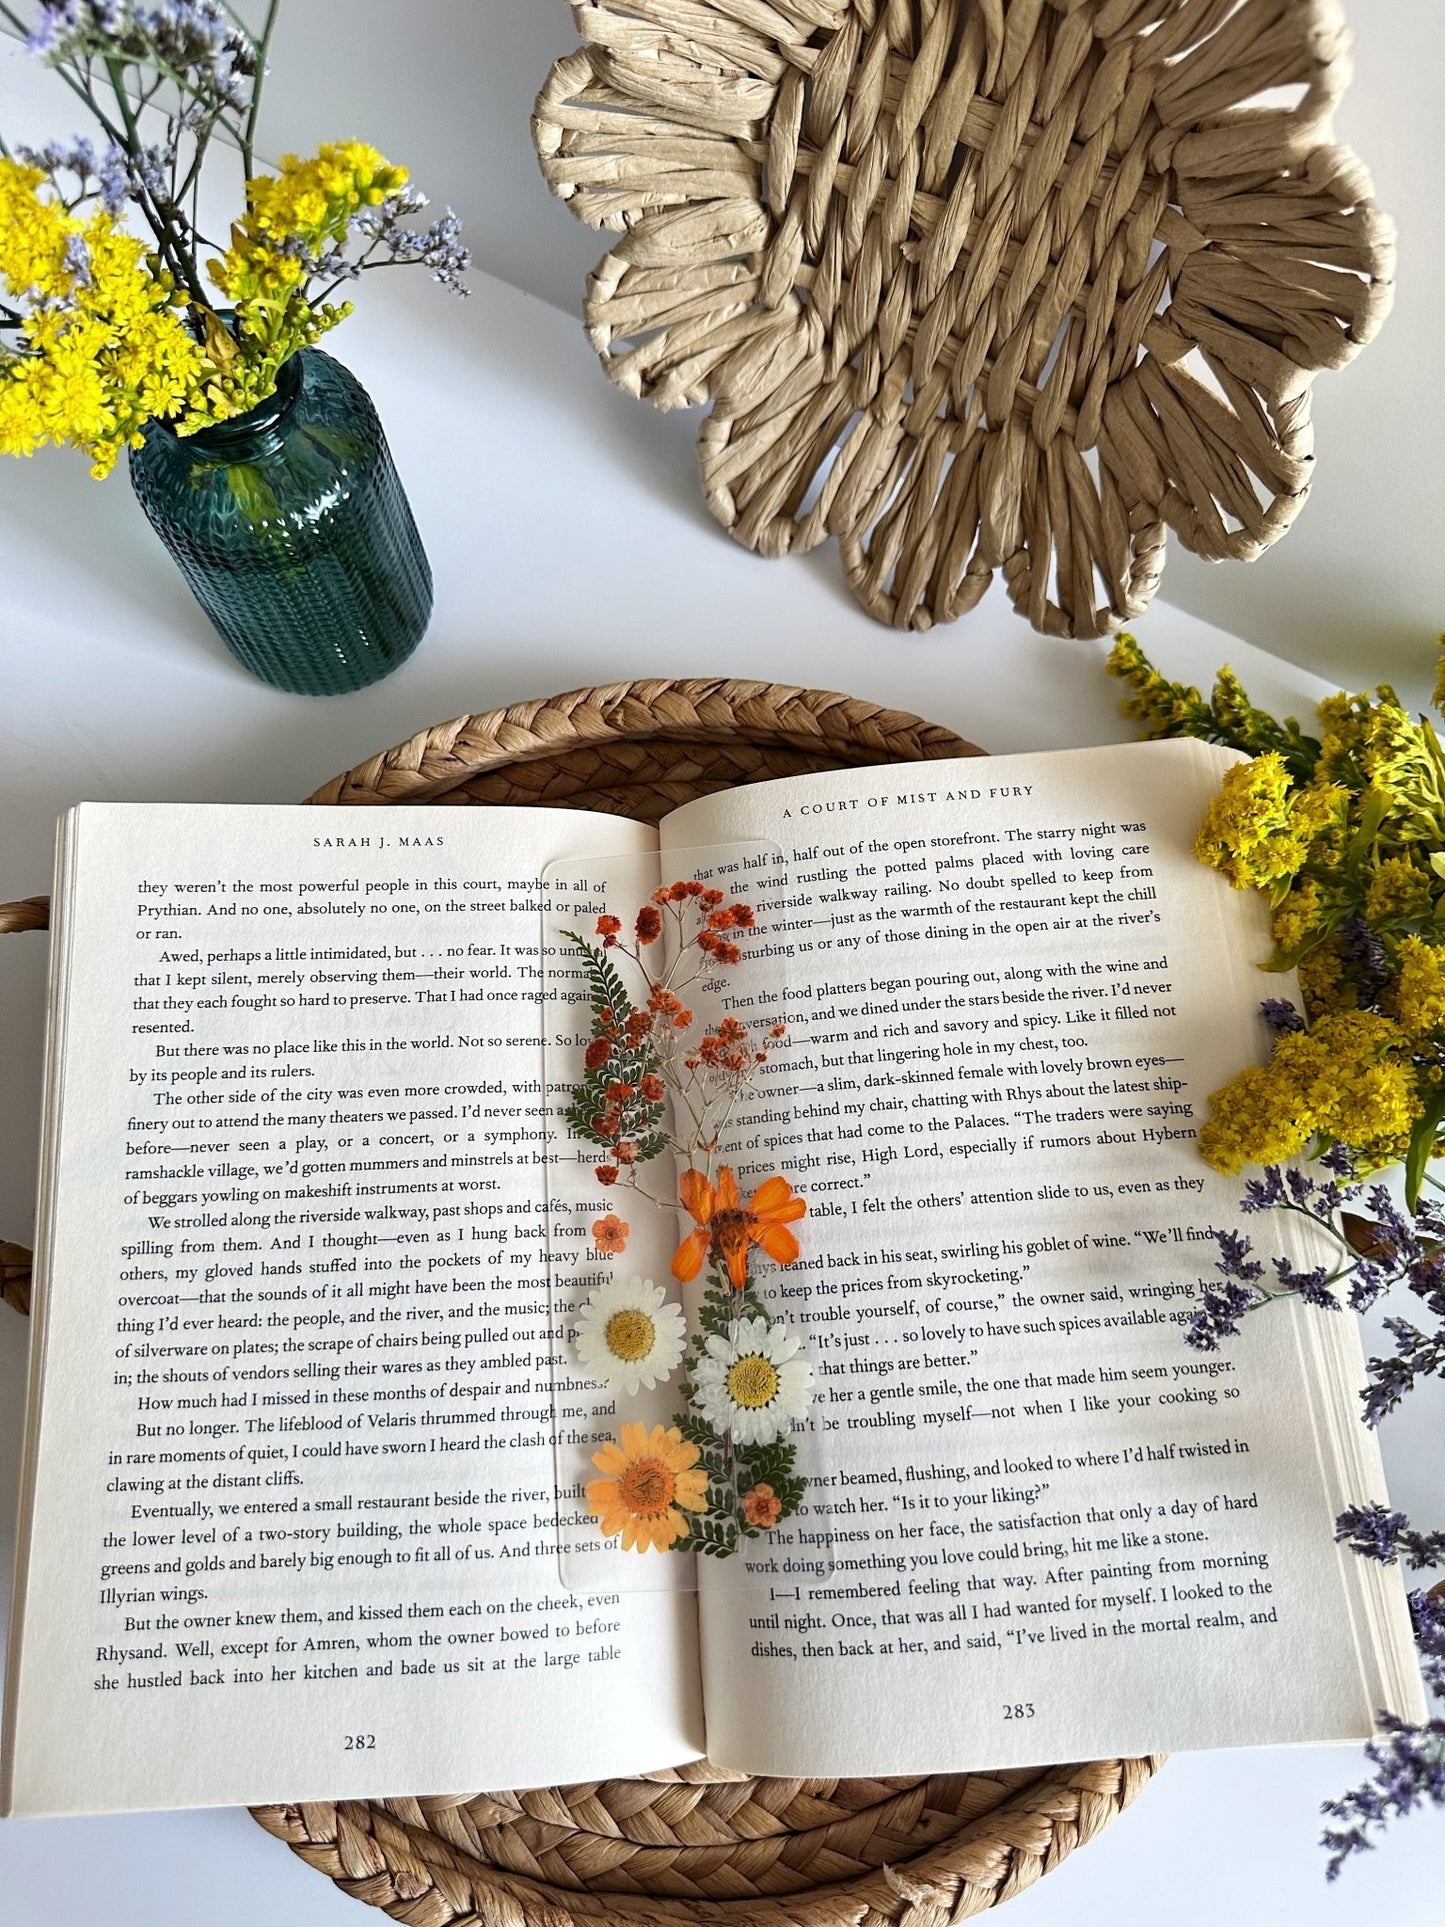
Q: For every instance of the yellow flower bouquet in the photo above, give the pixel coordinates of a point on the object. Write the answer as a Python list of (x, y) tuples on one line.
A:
[(1345, 836), (124, 326)]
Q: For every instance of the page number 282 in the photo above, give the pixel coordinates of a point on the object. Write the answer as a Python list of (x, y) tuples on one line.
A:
[(1019, 1710), (360, 1743)]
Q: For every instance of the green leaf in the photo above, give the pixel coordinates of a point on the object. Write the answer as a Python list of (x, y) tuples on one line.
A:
[(607, 991), (1376, 807), (1422, 1144)]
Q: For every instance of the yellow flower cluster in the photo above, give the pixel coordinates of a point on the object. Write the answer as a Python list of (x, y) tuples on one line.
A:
[(1259, 831), (1348, 1080), (1420, 989), (1346, 836), (292, 218), (1165, 708), (104, 349), (304, 209), (1399, 891), (1368, 740)]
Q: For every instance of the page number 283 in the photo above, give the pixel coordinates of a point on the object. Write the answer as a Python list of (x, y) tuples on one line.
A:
[(360, 1743), (1019, 1710)]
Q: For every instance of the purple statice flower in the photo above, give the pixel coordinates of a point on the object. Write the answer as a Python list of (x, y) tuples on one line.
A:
[(1409, 1763), (1234, 1258), (1263, 1194), (63, 22), (1300, 1185), (1365, 956), (1389, 1537), (1368, 1282), (1418, 1355), (103, 173), (56, 19), (1427, 1616), (77, 260), (1312, 1286), (198, 41), (1339, 1159), (438, 247), (1221, 1308), (1280, 1014)]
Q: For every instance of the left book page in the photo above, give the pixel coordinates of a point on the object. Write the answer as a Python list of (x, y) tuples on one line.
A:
[(289, 1496)]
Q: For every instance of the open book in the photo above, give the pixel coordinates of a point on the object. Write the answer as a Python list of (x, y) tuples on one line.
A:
[(296, 1475)]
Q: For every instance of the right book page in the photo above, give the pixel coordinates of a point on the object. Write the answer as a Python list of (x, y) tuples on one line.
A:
[(1044, 1529)]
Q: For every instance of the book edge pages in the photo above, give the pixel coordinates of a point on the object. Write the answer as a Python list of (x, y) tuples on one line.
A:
[(57, 1005)]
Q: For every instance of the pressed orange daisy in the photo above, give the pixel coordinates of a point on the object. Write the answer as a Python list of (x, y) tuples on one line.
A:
[(726, 1227), (609, 1234), (651, 1479), (762, 1506)]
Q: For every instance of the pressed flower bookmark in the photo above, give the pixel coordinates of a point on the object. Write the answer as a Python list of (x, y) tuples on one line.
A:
[(661, 1083)]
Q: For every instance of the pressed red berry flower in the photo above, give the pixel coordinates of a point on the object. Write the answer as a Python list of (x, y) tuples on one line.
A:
[(667, 1005), (598, 1052), (649, 924), (607, 1174), (778, 1030), (727, 1048), (710, 899), (619, 1093), (609, 929), (627, 1151), (607, 1123), (718, 949), (652, 1088)]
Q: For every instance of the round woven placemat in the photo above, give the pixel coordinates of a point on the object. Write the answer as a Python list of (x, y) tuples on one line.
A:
[(694, 1847), (977, 284)]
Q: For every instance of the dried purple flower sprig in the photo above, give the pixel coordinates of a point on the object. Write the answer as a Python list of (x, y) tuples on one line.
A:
[(1408, 1760), (1387, 1250), (191, 68)]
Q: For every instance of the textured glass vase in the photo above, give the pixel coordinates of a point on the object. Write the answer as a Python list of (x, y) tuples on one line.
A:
[(291, 527)]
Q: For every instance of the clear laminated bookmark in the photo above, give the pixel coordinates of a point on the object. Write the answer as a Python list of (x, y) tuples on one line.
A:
[(685, 1371)]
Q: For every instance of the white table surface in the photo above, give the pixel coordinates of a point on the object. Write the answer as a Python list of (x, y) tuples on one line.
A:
[(570, 546)]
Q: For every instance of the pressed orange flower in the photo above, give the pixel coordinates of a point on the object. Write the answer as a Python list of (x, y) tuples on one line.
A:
[(609, 1234), (726, 1227), (649, 1476), (762, 1506)]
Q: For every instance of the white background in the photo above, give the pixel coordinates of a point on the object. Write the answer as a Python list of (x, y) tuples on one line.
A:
[(570, 546)]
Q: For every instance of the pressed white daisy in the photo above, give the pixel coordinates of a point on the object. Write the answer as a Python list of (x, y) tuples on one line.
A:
[(754, 1383), (629, 1336)]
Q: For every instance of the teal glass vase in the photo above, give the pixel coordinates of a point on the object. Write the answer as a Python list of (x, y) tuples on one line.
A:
[(291, 528)]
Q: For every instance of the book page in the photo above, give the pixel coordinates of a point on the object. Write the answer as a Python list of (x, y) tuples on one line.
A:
[(291, 1507), (1056, 1532)]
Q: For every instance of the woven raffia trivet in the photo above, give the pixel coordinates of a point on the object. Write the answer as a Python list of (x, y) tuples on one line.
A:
[(696, 1847), (977, 284)]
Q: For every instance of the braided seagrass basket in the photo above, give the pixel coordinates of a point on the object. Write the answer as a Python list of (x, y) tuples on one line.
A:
[(695, 1847), (977, 284)]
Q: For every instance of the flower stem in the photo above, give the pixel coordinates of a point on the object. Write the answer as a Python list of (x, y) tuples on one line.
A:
[(263, 47), (172, 250)]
